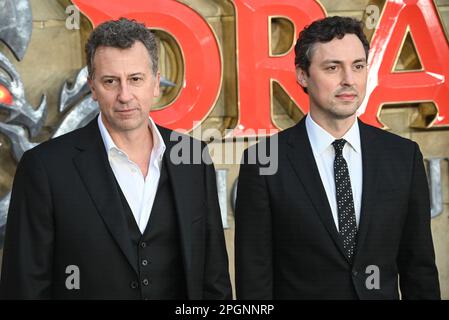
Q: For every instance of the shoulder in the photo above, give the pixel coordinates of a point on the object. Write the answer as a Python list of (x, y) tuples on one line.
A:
[(172, 137), (276, 142), (387, 139), (59, 147), (182, 149), (392, 150)]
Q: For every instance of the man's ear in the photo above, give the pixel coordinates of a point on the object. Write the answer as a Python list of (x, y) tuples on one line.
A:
[(90, 82), (301, 77)]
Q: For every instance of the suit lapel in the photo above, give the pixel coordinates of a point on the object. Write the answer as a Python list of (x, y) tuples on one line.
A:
[(370, 156), (180, 180), (303, 162), (93, 167)]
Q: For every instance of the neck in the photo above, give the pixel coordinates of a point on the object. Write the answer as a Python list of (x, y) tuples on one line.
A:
[(133, 141), (335, 127), (137, 144)]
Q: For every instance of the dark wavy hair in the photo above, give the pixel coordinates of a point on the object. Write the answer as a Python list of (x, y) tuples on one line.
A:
[(122, 34), (325, 30)]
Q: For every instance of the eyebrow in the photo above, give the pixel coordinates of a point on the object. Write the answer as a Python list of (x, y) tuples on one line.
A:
[(116, 77), (137, 74), (340, 62)]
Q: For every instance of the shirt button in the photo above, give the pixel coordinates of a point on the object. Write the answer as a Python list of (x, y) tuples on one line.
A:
[(143, 244), (134, 284), (145, 282), (144, 262)]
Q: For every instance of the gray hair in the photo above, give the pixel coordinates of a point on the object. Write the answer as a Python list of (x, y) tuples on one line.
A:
[(122, 34)]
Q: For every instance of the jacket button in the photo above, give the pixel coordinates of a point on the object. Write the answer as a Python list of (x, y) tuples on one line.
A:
[(144, 262), (143, 244), (354, 273), (134, 284), (145, 282)]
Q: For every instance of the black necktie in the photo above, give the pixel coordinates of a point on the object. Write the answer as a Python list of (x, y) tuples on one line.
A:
[(345, 202)]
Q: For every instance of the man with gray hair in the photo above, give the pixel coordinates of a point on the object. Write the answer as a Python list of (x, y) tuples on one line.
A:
[(103, 212)]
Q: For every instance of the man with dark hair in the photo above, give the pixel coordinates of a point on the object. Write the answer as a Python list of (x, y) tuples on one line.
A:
[(347, 214), (103, 212)]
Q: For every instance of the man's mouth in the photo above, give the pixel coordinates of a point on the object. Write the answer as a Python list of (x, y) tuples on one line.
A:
[(346, 96), (126, 111)]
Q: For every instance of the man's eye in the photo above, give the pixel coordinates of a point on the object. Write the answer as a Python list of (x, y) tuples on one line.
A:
[(331, 68), (110, 82), (136, 79), (360, 66)]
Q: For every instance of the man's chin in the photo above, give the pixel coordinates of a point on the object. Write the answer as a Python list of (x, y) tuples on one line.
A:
[(345, 112)]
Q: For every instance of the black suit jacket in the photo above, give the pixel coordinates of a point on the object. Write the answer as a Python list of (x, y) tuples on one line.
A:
[(288, 247), (66, 210)]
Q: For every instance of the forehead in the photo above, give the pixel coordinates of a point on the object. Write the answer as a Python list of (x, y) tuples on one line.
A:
[(348, 48), (112, 60)]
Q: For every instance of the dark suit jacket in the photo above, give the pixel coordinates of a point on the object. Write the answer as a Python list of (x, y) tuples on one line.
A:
[(66, 210), (288, 247)]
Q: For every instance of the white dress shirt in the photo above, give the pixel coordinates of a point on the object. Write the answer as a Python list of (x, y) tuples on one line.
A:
[(324, 154), (139, 191)]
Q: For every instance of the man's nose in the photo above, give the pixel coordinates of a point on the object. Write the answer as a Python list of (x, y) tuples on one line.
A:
[(124, 95), (347, 77)]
